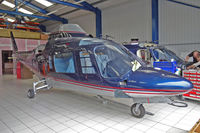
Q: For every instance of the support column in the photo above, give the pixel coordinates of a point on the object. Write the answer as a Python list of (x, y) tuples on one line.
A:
[(16, 4), (155, 21), (98, 23)]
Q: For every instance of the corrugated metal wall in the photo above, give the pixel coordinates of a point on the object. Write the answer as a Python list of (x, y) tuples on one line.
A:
[(123, 22), (129, 19), (179, 24), (133, 19)]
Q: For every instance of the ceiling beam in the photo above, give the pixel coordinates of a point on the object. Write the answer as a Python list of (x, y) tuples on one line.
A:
[(87, 5), (43, 11), (98, 15), (72, 11), (28, 15), (70, 4)]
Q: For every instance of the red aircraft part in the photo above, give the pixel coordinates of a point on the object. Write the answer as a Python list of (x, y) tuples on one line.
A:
[(19, 70)]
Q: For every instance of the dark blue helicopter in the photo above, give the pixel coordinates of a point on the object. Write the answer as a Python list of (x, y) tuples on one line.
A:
[(75, 61)]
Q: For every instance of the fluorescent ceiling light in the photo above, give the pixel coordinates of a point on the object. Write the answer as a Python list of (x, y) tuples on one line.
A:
[(79, 1), (8, 4), (25, 11), (26, 18), (44, 2), (11, 20)]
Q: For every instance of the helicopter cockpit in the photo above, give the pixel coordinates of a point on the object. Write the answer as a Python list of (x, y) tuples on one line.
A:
[(113, 60)]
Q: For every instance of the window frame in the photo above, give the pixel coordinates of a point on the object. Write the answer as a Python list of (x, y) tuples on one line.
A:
[(92, 64)]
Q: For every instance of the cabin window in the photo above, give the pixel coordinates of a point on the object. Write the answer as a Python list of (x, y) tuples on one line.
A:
[(86, 64), (144, 54), (64, 62)]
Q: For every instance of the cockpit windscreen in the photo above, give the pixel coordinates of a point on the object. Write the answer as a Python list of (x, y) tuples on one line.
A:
[(114, 60)]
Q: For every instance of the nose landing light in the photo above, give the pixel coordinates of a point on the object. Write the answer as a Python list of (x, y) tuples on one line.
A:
[(123, 83)]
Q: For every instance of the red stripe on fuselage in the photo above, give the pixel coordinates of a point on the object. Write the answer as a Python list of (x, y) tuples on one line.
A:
[(62, 80), (120, 87), (82, 85), (94, 86)]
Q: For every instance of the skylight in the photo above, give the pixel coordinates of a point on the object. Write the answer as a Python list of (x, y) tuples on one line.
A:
[(25, 11), (11, 20), (44, 2), (8, 4)]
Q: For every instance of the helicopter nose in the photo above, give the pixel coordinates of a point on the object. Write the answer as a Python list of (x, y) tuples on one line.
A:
[(149, 78), (175, 84)]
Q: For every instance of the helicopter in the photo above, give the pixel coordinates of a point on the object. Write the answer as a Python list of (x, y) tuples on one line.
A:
[(153, 55), (73, 60)]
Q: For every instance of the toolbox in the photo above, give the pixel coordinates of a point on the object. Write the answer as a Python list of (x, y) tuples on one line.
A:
[(165, 65)]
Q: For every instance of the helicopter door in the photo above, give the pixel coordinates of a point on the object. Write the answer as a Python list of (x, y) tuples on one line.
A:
[(88, 70)]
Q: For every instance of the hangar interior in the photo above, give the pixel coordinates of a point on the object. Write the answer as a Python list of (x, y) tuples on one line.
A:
[(169, 26)]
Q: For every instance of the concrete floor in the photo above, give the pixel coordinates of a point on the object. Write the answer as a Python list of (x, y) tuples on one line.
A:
[(67, 112)]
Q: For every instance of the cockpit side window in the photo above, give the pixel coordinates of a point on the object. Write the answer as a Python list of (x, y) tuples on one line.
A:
[(160, 55), (86, 64), (64, 62)]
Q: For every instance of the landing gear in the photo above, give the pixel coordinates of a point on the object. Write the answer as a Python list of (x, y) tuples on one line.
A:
[(42, 84), (138, 110), (31, 93)]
